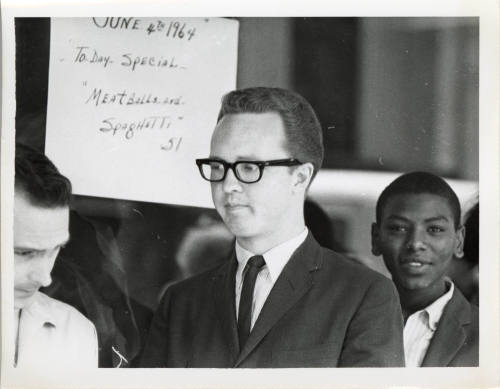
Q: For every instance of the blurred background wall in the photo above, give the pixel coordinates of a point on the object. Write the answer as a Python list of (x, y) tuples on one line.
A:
[(392, 94)]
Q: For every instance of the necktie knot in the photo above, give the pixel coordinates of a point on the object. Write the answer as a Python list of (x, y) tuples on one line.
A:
[(256, 261)]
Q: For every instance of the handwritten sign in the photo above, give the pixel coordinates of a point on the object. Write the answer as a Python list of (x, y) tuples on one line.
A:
[(132, 103)]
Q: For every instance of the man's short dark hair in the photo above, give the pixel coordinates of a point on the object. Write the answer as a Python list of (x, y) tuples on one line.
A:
[(38, 179), (302, 128), (419, 183)]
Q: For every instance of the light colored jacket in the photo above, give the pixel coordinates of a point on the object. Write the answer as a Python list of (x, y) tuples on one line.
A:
[(54, 335)]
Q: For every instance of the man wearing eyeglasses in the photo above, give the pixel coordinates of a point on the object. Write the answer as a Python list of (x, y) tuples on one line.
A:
[(281, 300)]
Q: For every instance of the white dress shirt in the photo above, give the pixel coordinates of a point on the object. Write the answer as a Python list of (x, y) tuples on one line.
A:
[(420, 327), (54, 335), (276, 259)]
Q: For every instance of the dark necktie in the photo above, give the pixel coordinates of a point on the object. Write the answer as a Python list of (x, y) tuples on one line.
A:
[(253, 267)]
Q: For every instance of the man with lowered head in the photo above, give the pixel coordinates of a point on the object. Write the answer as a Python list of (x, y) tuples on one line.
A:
[(49, 334), (280, 300)]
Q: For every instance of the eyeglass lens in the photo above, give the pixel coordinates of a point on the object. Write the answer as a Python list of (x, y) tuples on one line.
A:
[(245, 171)]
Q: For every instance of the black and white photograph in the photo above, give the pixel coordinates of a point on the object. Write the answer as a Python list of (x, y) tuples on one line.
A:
[(269, 199)]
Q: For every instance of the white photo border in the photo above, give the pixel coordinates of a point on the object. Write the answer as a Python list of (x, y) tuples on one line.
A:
[(487, 375)]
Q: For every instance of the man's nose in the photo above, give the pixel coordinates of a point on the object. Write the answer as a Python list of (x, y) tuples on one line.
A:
[(231, 183), (416, 239), (41, 272)]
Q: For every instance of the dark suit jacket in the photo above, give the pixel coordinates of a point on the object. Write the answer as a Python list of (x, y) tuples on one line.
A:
[(323, 311), (456, 340)]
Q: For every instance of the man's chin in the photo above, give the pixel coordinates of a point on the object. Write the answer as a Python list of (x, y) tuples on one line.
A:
[(415, 285), (238, 226), (23, 299)]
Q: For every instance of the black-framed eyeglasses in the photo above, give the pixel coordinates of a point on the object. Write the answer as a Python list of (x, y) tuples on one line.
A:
[(248, 172)]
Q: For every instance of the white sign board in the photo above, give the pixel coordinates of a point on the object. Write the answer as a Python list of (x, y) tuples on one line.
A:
[(132, 102)]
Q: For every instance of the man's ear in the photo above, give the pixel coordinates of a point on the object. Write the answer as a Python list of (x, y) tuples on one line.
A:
[(459, 242), (303, 176), (376, 240)]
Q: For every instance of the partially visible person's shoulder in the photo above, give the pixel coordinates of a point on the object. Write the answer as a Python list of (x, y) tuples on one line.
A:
[(199, 282), (339, 262), (460, 317), (347, 269), (473, 308), (474, 322), (63, 313), (460, 305)]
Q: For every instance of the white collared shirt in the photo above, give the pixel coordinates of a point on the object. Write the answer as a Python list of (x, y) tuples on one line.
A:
[(54, 335), (276, 259), (420, 327)]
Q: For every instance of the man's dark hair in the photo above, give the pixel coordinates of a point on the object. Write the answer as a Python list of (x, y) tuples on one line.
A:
[(302, 128), (38, 179), (419, 183)]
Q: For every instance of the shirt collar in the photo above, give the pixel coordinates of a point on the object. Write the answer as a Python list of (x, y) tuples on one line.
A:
[(276, 258), (435, 310), (40, 310)]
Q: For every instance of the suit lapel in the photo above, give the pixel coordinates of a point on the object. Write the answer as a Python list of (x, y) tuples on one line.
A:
[(294, 281), (224, 304), (450, 335)]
